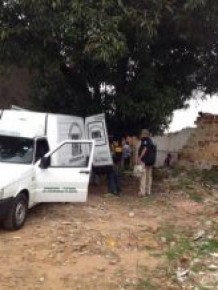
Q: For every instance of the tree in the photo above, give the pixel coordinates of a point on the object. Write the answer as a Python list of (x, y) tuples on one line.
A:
[(135, 60)]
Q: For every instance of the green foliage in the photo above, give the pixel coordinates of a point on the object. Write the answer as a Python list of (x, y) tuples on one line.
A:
[(208, 247), (182, 248), (210, 176), (145, 284), (136, 61), (195, 196)]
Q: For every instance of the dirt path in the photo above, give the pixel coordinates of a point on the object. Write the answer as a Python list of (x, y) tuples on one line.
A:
[(107, 243)]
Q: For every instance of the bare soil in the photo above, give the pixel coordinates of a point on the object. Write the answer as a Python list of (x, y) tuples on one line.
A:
[(108, 242)]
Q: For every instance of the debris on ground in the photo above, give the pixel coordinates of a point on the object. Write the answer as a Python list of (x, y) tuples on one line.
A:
[(167, 241)]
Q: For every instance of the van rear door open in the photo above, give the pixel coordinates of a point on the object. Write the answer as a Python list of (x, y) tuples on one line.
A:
[(63, 174), (95, 129)]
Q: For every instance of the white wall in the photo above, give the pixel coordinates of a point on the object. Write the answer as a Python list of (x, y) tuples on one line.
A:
[(171, 143)]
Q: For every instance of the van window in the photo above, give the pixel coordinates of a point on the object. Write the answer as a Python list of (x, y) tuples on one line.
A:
[(16, 149), (41, 148), (65, 157)]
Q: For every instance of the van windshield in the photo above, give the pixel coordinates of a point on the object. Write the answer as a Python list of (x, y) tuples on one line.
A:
[(16, 149)]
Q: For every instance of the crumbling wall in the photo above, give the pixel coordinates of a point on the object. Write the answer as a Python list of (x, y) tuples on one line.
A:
[(171, 143), (201, 150), (168, 143)]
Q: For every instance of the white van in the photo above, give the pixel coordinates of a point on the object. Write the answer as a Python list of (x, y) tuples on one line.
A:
[(47, 158)]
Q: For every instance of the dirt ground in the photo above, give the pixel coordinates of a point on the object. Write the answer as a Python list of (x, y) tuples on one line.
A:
[(165, 241)]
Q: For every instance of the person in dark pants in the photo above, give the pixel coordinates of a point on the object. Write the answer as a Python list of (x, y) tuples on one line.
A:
[(113, 181), (116, 151), (167, 161), (126, 155), (113, 178)]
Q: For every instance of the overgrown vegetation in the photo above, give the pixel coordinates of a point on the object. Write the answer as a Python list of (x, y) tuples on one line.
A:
[(137, 61)]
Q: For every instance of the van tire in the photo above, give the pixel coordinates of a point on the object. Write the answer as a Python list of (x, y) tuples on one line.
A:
[(18, 213)]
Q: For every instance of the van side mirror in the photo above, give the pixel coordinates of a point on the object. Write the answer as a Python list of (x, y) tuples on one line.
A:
[(44, 162)]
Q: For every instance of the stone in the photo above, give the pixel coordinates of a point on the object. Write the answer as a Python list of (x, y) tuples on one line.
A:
[(182, 274), (215, 255), (208, 223), (163, 239), (210, 237), (212, 267), (99, 243), (196, 261), (172, 244), (101, 269), (66, 223), (41, 279), (131, 214), (199, 235), (113, 262)]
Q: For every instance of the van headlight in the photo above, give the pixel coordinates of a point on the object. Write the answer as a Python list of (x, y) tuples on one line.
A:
[(1, 193)]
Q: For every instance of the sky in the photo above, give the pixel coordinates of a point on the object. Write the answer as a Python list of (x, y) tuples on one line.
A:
[(186, 117)]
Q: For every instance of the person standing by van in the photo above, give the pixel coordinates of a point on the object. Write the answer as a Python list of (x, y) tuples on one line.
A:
[(113, 179), (117, 153), (146, 156), (126, 155)]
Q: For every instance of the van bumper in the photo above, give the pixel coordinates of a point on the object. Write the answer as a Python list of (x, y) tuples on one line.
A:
[(5, 206)]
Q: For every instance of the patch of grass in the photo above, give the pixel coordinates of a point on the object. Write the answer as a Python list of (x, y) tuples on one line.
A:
[(185, 246), (175, 172), (160, 174), (146, 284), (173, 233), (208, 246), (181, 248), (197, 267), (210, 176), (195, 196), (178, 241), (148, 201), (200, 287), (169, 234), (185, 182)]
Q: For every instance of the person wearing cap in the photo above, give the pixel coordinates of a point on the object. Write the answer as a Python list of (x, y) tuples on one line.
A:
[(146, 176)]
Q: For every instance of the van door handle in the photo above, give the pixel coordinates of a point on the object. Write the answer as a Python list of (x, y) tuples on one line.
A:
[(85, 171)]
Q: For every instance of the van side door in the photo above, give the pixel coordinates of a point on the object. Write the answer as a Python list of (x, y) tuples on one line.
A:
[(63, 174)]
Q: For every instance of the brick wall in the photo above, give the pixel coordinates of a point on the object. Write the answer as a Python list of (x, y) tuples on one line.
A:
[(201, 150)]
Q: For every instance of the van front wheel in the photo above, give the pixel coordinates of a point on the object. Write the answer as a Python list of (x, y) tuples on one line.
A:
[(17, 214)]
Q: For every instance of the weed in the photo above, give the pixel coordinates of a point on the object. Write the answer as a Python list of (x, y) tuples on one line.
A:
[(193, 195), (200, 287), (175, 172), (183, 247), (208, 246), (169, 235), (210, 176), (145, 284), (197, 267), (184, 182), (147, 201), (160, 174)]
